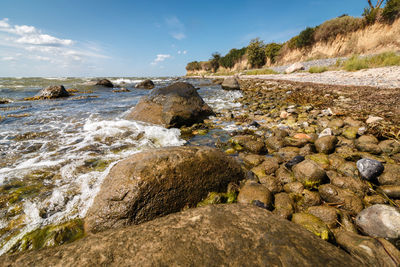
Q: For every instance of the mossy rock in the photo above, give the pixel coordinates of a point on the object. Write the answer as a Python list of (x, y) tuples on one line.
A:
[(313, 224), (50, 236), (321, 159), (218, 198)]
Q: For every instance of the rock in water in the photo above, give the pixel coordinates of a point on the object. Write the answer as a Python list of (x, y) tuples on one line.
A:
[(174, 106), (295, 67), (214, 235), (105, 83), (54, 91), (230, 83), (380, 221), (369, 168), (146, 84), (157, 182)]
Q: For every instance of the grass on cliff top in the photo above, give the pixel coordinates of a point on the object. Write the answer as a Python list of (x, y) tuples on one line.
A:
[(260, 72), (317, 69), (381, 60)]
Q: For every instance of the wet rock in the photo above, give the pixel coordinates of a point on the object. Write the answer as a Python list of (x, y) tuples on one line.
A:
[(327, 214), (368, 143), (348, 168), (252, 192), (230, 83), (296, 142), (308, 199), (369, 168), (173, 106), (284, 176), (352, 122), (350, 132), (312, 224), (242, 235), (284, 205), (321, 159), (294, 187), (295, 67), (308, 149), (380, 221), (390, 147), (55, 91), (368, 250), (252, 159), (287, 153), (122, 90), (374, 199), (146, 84), (274, 143), (105, 83), (250, 143), (309, 173), (390, 175), (347, 199), (356, 185), (346, 222), (392, 191), (270, 165), (325, 132), (270, 182), (158, 182), (4, 101), (336, 123), (294, 161)]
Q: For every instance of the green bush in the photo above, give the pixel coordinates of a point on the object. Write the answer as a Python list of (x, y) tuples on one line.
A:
[(193, 66), (256, 53), (371, 14), (381, 60), (317, 69), (234, 56), (341, 25), (214, 61), (391, 11), (272, 51), (292, 42), (305, 38)]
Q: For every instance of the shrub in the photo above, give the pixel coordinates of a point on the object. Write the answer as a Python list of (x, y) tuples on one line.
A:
[(292, 42), (193, 66), (380, 60), (260, 72), (214, 61), (234, 56), (272, 51), (341, 25), (305, 38), (256, 53), (317, 69), (391, 11), (371, 14), (206, 65)]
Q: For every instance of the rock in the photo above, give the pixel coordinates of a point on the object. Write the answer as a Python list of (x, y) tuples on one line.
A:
[(284, 176), (391, 175), (284, 205), (325, 132), (54, 91), (392, 191), (350, 132), (326, 144), (390, 147), (105, 83), (294, 187), (368, 143), (294, 161), (274, 143), (374, 199), (157, 182), (284, 115), (356, 185), (373, 119), (174, 106), (252, 159), (287, 153), (327, 214), (336, 123), (309, 173), (146, 84), (380, 221), (308, 199), (230, 83), (368, 250), (214, 235), (122, 90), (4, 101), (271, 183), (321, 159), (369, 168), (312, 224), (252, 192), (348, 200), (250, 143), (295, 67)]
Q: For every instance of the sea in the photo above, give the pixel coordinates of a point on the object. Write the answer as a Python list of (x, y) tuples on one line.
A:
[(54, 154)]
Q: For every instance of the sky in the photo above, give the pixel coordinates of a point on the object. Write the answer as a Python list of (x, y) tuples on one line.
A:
[(114, 38)]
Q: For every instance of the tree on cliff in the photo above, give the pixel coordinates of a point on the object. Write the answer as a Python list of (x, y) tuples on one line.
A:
[(256, 53), (214, 61), (378, 4)]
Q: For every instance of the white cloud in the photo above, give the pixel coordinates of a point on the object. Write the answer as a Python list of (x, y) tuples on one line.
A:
[(184, 52), (160, 58), (8, 58), (4, 23), (176, 28)]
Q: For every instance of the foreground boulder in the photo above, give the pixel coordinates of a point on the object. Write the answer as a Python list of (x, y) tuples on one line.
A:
[(54, 91), (174, 106), (295, 67), (215, 235), (146, 84), (230, 83), (105, 83), (158, 182)]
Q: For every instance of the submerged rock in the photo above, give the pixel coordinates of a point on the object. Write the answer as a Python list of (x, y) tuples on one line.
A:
[(105, 83), (215, 235), (230, 83), (146, 84), (50, 92), (158, 182), (173, 106), (369, 168)]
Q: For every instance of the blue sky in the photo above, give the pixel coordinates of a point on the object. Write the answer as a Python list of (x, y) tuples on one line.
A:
[(144, 38)]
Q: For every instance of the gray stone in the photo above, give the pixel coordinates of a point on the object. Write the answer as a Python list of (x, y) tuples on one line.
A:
[(295, 67), (146, 84), (54, 91), (230, 83), (369, 168)]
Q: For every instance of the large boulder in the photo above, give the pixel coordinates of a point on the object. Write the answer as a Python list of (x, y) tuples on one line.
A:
[(174, 106), (230, 83), (146, 84), (105, 83), (214, 235), (54, 91), (158, 182), (295, 67)]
